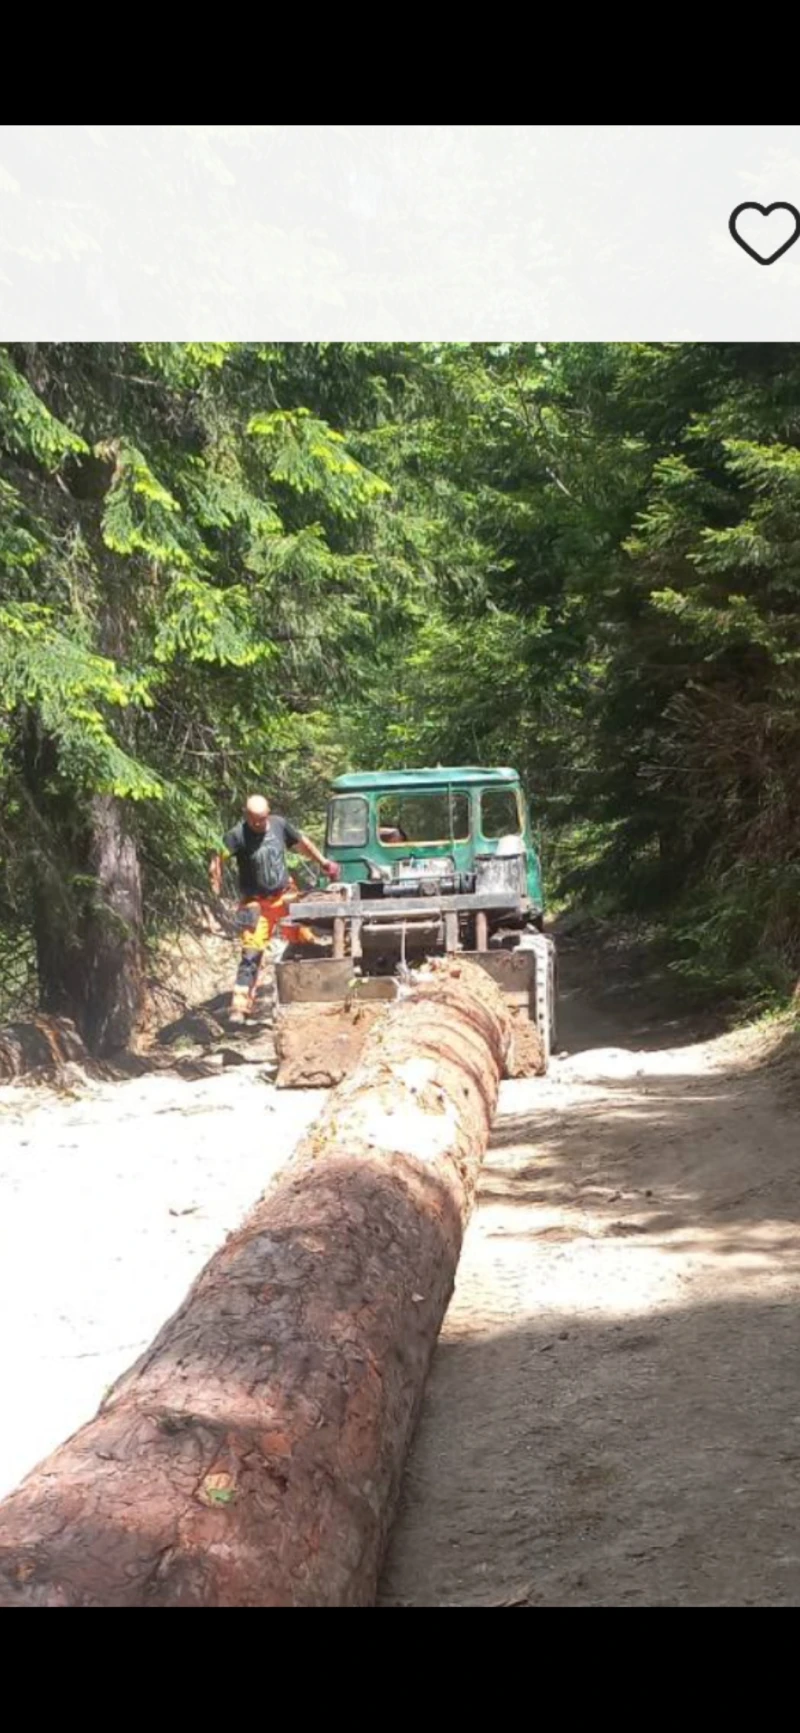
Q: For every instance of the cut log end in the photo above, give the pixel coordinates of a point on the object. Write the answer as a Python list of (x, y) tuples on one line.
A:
[(318, 1045), (526, 1049)]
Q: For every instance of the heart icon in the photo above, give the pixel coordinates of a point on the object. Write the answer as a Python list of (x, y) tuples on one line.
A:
[(755, 228)]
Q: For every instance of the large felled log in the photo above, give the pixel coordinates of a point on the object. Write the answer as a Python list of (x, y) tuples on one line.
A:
[(253, 1456)]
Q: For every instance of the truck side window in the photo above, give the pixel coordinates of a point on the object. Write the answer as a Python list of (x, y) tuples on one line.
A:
[(347, 821), (500, 813)]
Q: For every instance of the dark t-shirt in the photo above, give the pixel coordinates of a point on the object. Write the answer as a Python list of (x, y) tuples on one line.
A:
[(261, 856)]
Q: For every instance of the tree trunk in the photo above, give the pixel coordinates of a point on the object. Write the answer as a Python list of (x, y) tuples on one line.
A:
[(90, 954), (253, 1456)]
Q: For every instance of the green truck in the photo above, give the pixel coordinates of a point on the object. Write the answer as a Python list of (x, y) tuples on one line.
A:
[(432, 862)]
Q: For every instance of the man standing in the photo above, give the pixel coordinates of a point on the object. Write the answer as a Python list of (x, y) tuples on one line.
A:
[(258, 844)]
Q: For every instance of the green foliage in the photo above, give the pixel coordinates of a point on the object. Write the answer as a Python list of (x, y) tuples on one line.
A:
[(71, 690), (736, 936), (139, 513), (613, 537), (206, 624), (186, 559), (27, 427), (227, 565), (311, 458)]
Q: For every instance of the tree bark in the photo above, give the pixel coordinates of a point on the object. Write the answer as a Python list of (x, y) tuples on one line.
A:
[(42, 1044), (253, 1456), (90, 956)]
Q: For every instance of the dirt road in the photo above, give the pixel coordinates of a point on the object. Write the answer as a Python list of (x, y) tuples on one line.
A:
[(613, 1416)]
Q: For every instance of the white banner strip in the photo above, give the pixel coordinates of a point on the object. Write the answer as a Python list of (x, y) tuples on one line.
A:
[(416, 232)]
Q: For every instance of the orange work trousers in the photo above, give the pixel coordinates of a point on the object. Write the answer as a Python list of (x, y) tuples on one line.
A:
[(257, 918)]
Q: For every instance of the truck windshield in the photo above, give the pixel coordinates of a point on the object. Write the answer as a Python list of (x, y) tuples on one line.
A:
[(429, 817)]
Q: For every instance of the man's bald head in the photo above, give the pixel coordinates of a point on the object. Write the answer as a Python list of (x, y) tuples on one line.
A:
[(256, 811)]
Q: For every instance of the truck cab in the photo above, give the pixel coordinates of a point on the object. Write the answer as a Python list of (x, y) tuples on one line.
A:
[(444, 831)]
